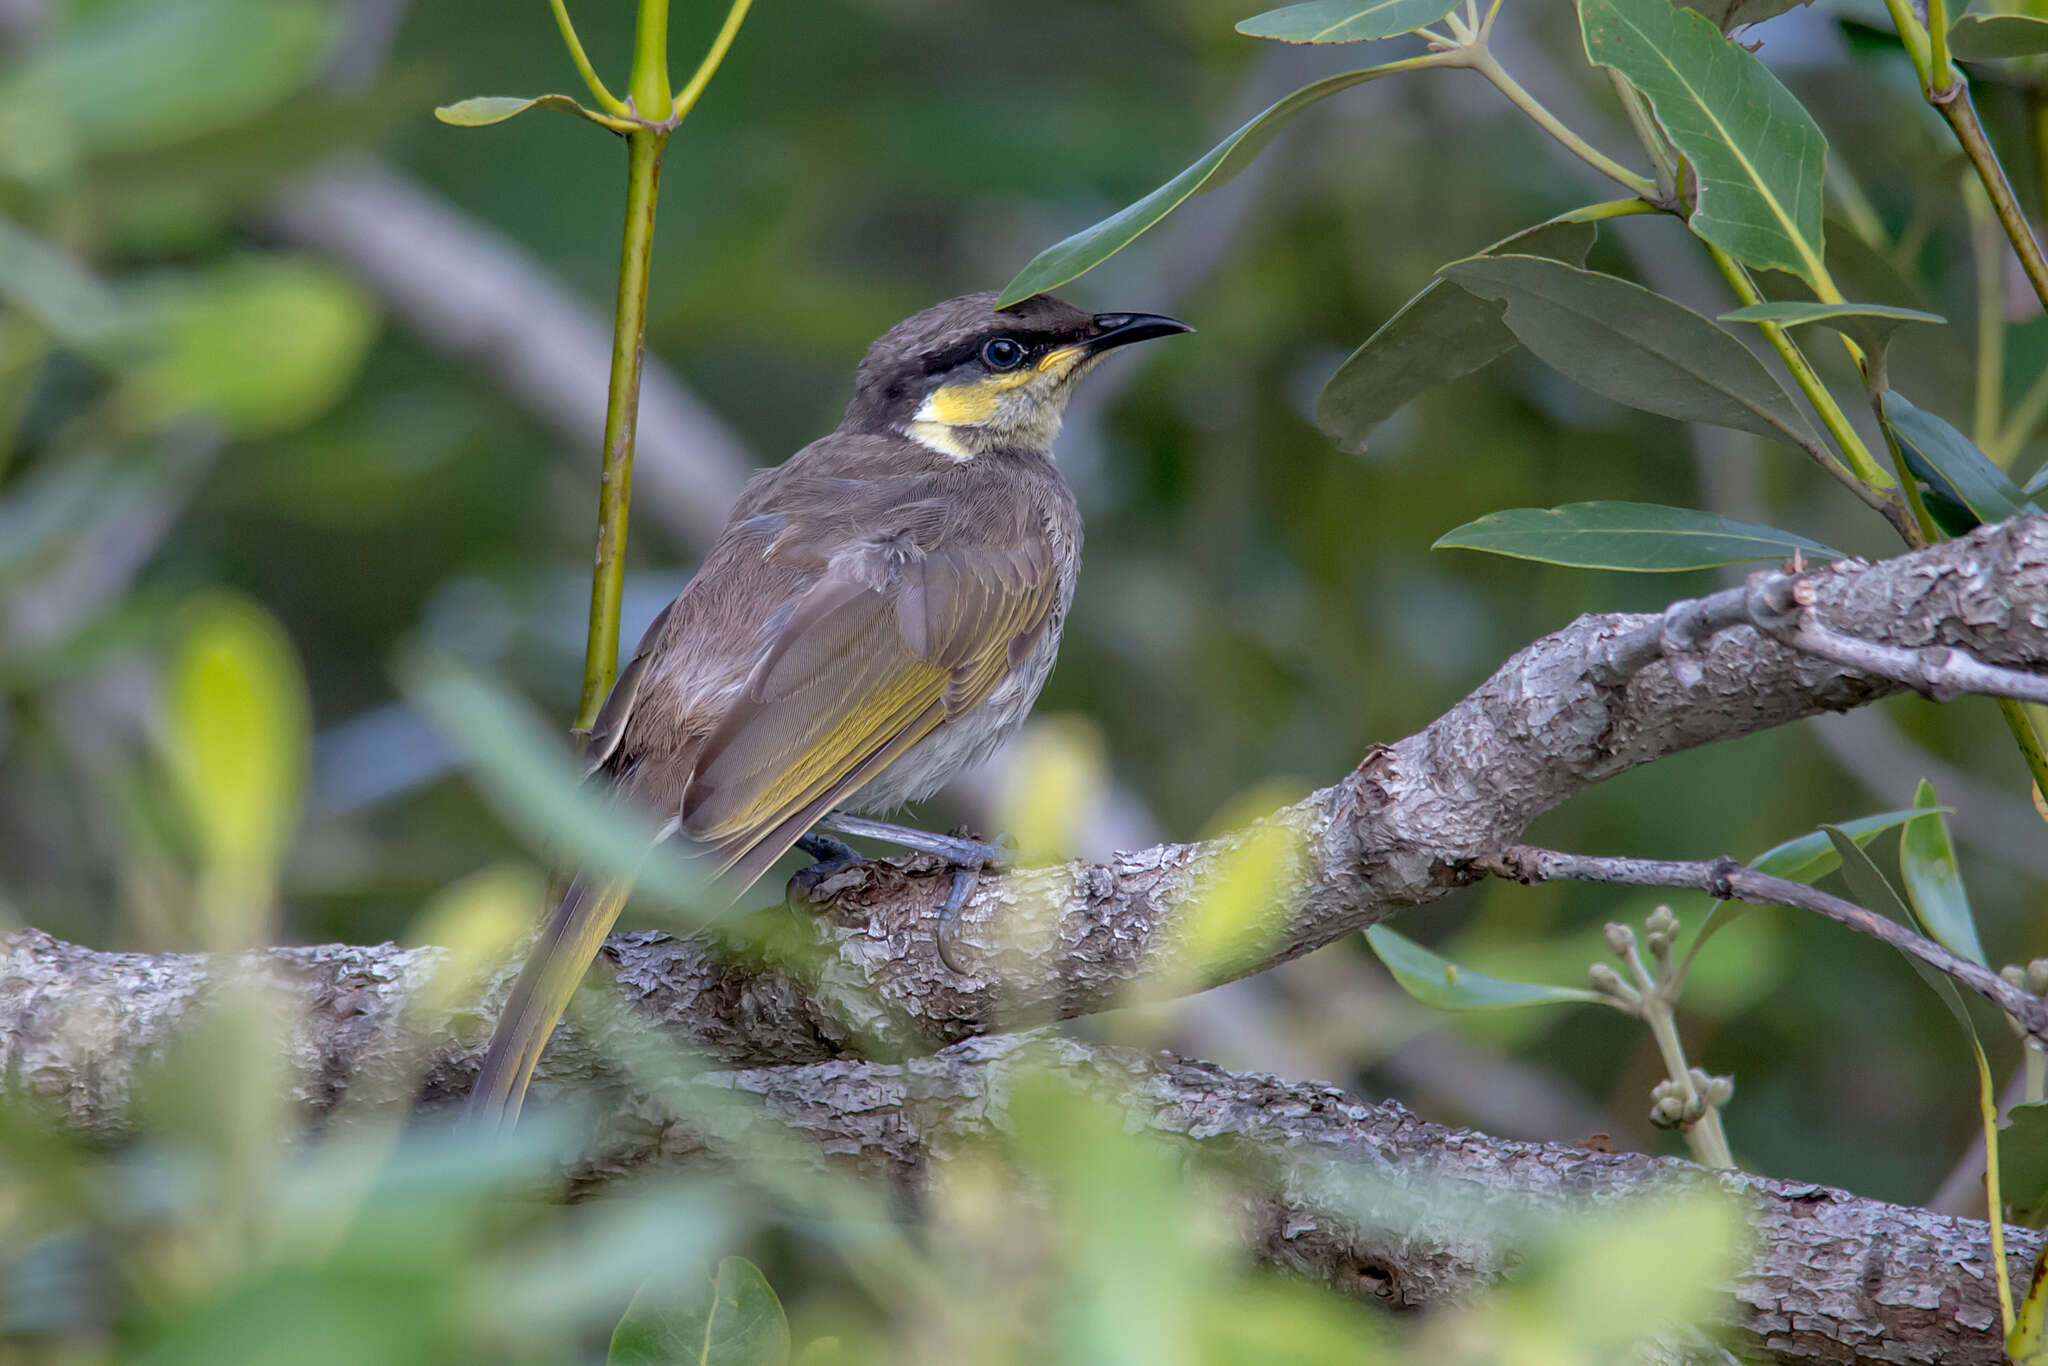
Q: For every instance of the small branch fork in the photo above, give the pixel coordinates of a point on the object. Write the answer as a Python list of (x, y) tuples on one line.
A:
[(1779, 604), (1727, 880)]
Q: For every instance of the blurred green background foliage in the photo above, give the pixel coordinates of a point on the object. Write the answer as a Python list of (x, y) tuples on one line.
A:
[(214, 413)]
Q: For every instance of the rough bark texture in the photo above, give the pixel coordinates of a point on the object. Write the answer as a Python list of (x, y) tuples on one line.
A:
[(1833, 1278)]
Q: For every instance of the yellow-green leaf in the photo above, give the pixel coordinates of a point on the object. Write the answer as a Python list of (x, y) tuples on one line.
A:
[(1934, 882), (485, 110), (729, 1318), (1437, 981), (1345, 21)]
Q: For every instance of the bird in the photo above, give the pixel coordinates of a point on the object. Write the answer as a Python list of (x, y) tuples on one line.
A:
[(878, 614)]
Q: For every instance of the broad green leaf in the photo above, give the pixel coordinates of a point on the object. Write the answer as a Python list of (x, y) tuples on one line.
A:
[(1961, 487), (728, 1318), (1633, 346), (1934, 883), (1090, 247), (1639, 537), (1869, 325), (1806, 859), (128, 78), (1987, 37), (485, 110), (1436, 981), (2023, 1168), (1345, 21), (260, 344), (1439, 335), (1758, 154)]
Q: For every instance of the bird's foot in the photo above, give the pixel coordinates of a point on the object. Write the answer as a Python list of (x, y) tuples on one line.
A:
[(967, 858), (833, 857)]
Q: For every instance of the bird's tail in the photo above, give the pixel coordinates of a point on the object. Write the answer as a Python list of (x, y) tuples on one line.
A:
[(568, 943)]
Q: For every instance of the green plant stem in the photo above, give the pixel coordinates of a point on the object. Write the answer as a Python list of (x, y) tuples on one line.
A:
[(1707, 1139), (1956, 107), (649, 85), (2027, 738), (622, 409), (706, 69), (606, 100), (1914, 37), (1864, 476), (1941, 72), (1480, 59), (1919, 529), (1662, 160), (1988, 255)]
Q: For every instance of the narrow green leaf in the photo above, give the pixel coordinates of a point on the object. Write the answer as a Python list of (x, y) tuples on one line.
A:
[(2023, 1168), (64, 297), (1345, 21), (2037, 484), (1633, 346), (1987, 37), (1962, 488), (1638, 537), (1868, 325), (1091, 246), (1806, 859), (1758, 154), (729, 1318), (1435, 980), (1873, 891), (1934, 882), (1439, 335), (484, 110)]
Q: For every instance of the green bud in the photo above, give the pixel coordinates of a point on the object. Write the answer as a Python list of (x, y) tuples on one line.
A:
[(1620, 938), (1608, 982), (2037, 977), (1719, 1091), (2014, 976), (1662, 921)]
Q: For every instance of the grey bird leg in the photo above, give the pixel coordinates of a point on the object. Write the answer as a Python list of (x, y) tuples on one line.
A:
[(832, 857), (968, 858)]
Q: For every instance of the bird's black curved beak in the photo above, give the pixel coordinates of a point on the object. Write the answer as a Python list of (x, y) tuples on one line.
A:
[(1121, 329)]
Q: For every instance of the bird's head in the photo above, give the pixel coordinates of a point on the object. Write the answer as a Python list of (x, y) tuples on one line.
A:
[(965, 377)]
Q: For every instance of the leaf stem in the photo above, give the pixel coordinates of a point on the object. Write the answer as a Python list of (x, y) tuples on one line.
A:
[(1938, 64), (1955, 105), (2027, 738), (606, 100), (1481, 59), (1994, 1199), (1647, 133), (649, 85), (1914, 37), (622, 407), (1863, 476), (706, 69)]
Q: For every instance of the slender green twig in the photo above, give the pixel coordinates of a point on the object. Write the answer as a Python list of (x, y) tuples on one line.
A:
[(2027, 738), (1480, 59), (1914, 36), (1864, 476), (1941, 73), (649, 84), (1956, 107), (1662, 159), (1987, 251), (606, 100), (706, 69)]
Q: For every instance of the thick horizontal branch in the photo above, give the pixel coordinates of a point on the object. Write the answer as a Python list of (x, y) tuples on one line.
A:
[(1831, 1277)]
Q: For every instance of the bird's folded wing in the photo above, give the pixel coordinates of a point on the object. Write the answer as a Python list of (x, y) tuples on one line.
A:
[(870, 660)]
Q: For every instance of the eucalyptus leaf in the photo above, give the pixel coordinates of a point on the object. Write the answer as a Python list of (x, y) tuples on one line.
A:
[(1729, 15), (2023, 1165), (1868, 325), (2038, 483), (1806, 859), (1962, 488), (1987, 37), (1934, 882), (1439, 335), (1091, 246), (1435, 980), (1345, 21), (485, 110), (1874, 892), (1637, 537), (1757, 153), (1633, 346), (729, 1318)]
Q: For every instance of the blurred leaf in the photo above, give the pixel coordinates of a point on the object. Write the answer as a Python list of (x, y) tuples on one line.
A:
[(1987, 37), (1091, 246), (1437, 981), (1806, 859), (260, 344), (484, 110), (526, 773), (144, 74), (1758, 154), (62, 295), (1642, 537), (2037, 484), (236, 734), (2027, 1344), (1868, 325), (1729, 15), (1934, 883), (1055, 781), (1240, 912), (1963, 488), (2023, 1169), (730, 1318), (1345, 21), (1439, 335), (1635, 347)]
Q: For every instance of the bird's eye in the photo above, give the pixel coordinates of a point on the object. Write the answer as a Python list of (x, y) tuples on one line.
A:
[(1003, 353)]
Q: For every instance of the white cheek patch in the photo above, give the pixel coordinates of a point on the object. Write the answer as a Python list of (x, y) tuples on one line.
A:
[(938, 436)]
